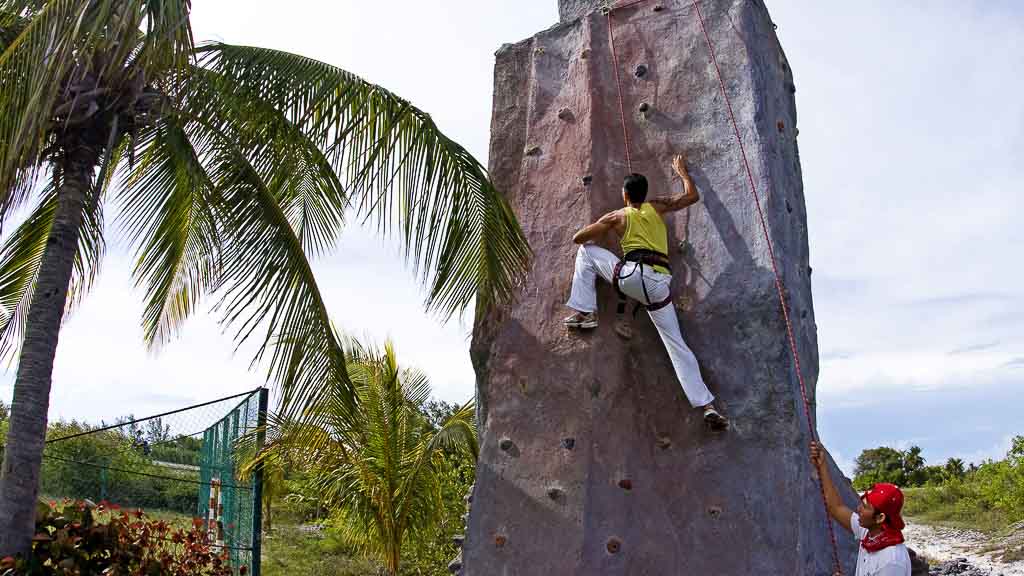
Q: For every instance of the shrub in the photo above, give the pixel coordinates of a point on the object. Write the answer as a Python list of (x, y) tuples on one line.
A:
[(77, 538)]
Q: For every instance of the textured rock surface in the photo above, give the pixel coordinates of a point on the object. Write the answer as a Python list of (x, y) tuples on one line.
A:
[(641, 487)]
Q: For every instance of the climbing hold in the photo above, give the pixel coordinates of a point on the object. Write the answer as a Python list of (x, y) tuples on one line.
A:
[(555, 493), (658, 7), (664, 442), (626, 484), (587, 180), (585, 54), (568, 443), (714, 511), (623, 329), (684, 246), (506, 444), (565, 115), (606, 10), (499, 541), (781, 126), (803, 314), (789, 207), (645, 108), (539, 50), (640, 71), (613, 546), (684, 303), (533, 151), (459, 540)]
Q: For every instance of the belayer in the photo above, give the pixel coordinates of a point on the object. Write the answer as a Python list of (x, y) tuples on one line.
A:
[(876, 523), (643, 275)]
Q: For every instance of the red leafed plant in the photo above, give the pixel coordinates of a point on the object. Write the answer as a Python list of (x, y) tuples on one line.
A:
[(79, 539)]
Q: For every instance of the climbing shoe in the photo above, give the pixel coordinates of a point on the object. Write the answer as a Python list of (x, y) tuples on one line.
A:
[(714, 420), (581, 320)]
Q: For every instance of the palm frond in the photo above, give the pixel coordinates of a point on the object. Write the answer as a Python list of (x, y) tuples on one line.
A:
[(22, 255), (169, 216), (400, 169)]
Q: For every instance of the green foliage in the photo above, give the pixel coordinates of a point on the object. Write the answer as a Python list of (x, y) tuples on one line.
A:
[(5, 412), (903, 468), (988, 497), (381, 467), (113, 466), (78, 538)]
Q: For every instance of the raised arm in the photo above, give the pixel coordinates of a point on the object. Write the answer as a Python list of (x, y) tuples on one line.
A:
[(689, 196), (836, 508), (609, 221)]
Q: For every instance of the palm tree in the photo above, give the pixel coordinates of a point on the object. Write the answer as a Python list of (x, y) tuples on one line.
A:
[(230, 166), (377, 463), (955, 468)]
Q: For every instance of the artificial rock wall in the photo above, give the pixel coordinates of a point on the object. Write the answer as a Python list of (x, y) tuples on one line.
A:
[(592, 461)]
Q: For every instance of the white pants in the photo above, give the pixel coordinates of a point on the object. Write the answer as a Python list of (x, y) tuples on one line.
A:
[(592, 261)]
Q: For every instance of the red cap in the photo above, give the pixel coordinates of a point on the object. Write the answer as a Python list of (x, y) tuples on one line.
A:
[(887, 498)]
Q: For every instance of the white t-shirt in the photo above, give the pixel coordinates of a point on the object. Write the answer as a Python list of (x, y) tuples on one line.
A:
[(889, 561)]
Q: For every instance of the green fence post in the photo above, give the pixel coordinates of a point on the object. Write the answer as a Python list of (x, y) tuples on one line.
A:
[(257, 486)]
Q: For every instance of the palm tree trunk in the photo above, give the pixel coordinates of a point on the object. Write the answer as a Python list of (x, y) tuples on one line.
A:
[(19, 477)]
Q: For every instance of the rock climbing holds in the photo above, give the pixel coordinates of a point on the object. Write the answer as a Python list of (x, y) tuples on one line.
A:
[(565, 115), (714, 511), (640, 71), (585, 54), (500, 540), (613, 546), (568, 443), (781, 126), (555, 493), (658, 7), (533, 151), (626, 484), (506, 444), (587, 180), (684, 303), (645, 108), (664, 442), (789, 207), (539, 50)]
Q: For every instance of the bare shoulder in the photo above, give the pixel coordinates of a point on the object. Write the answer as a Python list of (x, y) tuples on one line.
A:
[(612, 218)]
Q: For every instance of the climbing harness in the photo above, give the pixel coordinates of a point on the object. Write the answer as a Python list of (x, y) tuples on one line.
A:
[(610, 14), (641, 258)]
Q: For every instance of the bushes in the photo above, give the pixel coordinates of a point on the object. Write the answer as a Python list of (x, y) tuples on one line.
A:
[(987, 497), (77, 538)]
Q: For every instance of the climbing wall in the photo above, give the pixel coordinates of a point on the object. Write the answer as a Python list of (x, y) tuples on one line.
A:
[(592, 461)]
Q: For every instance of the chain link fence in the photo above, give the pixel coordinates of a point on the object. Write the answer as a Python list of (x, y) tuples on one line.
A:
[(178, 466)]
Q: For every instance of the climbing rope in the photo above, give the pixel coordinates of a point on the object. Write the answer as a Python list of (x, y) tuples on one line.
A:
[(618, 85), (837, 567)]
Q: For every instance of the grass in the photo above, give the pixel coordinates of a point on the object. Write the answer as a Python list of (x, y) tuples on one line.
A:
[(289, 551), (940, 506)]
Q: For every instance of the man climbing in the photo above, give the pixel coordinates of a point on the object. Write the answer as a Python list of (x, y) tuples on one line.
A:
[(876, 523), (644, 275)]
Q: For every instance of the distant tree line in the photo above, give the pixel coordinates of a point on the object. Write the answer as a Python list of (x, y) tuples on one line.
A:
[(992, 491)]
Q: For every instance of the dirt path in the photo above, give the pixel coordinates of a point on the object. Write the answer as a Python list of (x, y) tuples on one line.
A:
[(981, 551)]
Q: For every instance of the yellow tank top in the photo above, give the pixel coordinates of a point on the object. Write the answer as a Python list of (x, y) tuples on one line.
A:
[(645, 230)]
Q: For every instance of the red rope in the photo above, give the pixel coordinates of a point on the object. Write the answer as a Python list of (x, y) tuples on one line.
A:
[(778, 279), (618, 87)]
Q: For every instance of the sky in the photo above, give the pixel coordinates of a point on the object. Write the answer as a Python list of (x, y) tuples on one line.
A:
[(911, 137)]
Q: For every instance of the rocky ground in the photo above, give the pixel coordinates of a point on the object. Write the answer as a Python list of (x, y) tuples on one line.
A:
[(968, 553)]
